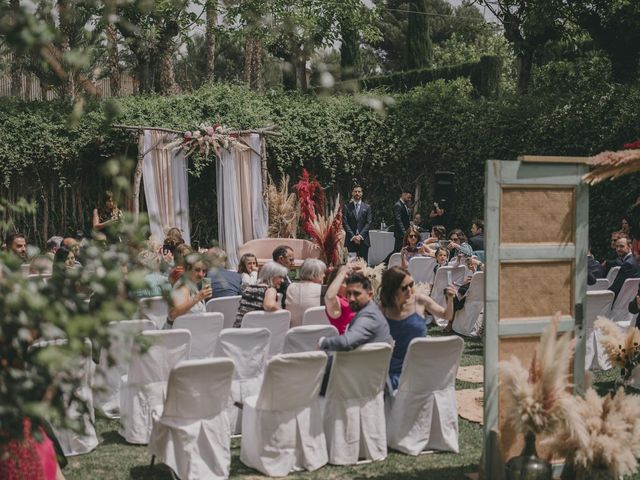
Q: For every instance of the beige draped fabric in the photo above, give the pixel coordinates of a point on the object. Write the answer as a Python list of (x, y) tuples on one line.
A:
[(164, 172)]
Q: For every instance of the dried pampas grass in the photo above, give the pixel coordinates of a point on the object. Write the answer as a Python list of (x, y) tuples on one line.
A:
[(538, 398), (327, 233), (283, 210), (612, 441), (622, 349), (612, 165)]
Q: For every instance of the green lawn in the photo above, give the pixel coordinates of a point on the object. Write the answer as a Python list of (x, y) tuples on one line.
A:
[(115, 459)]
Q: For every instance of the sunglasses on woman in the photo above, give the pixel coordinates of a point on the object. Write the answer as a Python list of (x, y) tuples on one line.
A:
[(412, 236), (407, 286)]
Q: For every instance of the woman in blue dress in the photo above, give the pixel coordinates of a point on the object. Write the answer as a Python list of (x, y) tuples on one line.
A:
[(405, 312)]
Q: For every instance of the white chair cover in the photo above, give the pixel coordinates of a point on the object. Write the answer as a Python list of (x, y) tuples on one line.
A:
[(315, 316), (421, 269), (71, 442), (444, 276), (282, 426), (205, 329), (305, 338), (154, 308), (109, 375), (193, 436), (249, 349), (227, 306), (381, 245), (144, 387), (612, 274), (598, 304), (395, 260), (354, 406), (620, 309), (276, 322), (423, 413), (466, 319), (601, 284)]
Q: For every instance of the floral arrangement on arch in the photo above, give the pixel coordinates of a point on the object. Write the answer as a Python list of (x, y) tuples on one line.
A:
[(324, 229), (206, 139)]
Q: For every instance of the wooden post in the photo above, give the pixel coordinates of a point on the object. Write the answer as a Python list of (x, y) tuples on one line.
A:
[(137, 177), (265, 171)]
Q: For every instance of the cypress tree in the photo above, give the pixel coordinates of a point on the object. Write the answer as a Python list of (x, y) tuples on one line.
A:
[(419, 49)]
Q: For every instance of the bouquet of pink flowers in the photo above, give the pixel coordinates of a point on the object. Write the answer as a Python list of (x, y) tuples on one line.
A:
[(206, 139)]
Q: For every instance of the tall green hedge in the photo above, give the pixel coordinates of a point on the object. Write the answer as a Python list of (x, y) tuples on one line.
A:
[(441, 126)]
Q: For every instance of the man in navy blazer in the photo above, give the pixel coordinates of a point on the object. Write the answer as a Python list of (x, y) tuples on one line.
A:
[(401, 219), (356, 221), (629, 267)]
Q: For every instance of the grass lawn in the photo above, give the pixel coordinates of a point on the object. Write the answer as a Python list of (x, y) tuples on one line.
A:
[(115, 459)]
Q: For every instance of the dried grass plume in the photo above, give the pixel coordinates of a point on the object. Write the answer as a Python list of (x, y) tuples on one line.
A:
[(283, 210)]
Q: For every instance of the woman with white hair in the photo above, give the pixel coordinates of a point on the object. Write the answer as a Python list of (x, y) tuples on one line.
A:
[(306, 293), (262, 295)]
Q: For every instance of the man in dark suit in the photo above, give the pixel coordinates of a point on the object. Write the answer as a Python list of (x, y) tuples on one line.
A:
[(629, 267), (283, 255), (594, 269), (356, 222), (401, 219), (477, 235)]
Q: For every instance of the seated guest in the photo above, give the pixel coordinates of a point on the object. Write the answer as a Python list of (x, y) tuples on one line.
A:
[(368, 325), (306, 293), (156, 284), (248, 269), (224, 282), (442, 258), (463, 252), (405, 314), (629, 267), (41, 265), (477, 235), (337, 306), (64, 258), (16, 243), (411, 246), (634, 307), (187, 296), (594, 269), (52, 245), (419, 223), (180, 255), (264, 294), (437, 239), (283, 255), (609, 263)]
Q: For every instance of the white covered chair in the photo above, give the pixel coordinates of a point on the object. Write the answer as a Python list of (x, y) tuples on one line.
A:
[(444, 277), (466, 319), (620, 308), (193, 437), (305, 338), (395, 260), (421, 269), (249, 350), (423, 414), (598, 304), (109, 375), (612, 274), (601, 284), (72, 442), (282, 425), (315, 316), (354, 405), (155, 309), (276, 322), (205, 329), (227, 306), (144, 387)]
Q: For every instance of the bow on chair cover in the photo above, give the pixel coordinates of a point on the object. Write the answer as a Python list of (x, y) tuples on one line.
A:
[(242, 213), (164, 172)]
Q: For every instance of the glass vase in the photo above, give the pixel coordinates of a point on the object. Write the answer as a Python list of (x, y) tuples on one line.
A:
[(528, 466)]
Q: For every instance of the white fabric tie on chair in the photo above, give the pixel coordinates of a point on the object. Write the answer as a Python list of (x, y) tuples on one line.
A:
[(193, 436), (422, 413), (598, 304)]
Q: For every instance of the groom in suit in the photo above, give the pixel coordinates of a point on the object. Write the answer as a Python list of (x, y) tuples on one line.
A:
[(356, 222), (401, 219)]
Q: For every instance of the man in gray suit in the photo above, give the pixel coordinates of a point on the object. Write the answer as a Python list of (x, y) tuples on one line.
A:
[(369, 324)]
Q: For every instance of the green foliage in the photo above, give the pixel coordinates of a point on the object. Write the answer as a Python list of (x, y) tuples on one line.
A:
[(419, 50), (439, 126)]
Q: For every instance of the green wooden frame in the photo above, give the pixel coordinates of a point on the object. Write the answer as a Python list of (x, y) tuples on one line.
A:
[(516, 173)]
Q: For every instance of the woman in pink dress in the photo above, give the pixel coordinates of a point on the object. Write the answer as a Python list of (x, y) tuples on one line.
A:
[(336, 305)]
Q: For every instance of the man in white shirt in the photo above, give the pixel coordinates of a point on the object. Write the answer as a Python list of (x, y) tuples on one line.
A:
[(356, 221)]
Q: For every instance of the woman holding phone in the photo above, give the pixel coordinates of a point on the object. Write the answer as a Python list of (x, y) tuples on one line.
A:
[(187, 297)]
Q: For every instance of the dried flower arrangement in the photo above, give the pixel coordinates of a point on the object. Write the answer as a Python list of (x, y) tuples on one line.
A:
[(622, 349), (538, 398), (614, 164), (207, 139), (611, 438), (283, 209)]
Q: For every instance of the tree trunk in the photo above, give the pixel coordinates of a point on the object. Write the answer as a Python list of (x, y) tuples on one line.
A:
[(113, 60), (168, 85), (248, 60), (256, 65), (16, 71), (419, 50), (289, 73), (350, 65), (68, 81), (525, 67), (301, 73), (212, 13)]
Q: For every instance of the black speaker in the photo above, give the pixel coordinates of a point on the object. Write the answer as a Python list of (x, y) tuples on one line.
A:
[(444, 190)]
